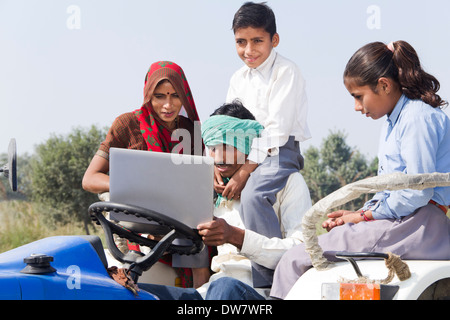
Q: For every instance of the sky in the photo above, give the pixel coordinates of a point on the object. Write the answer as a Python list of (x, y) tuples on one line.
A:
[(67, 64)]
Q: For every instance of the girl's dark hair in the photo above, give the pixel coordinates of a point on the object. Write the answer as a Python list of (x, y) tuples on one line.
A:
[(398, 62), (234, 109), (255, 15)]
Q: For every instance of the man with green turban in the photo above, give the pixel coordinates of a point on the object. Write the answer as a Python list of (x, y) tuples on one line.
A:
[(228, 135), (229, 132), (238, 133)]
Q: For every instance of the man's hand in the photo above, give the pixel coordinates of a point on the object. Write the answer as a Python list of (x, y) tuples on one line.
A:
[(218, 232)]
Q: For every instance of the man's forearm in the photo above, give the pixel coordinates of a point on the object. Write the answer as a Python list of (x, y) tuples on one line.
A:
[(236, 237)]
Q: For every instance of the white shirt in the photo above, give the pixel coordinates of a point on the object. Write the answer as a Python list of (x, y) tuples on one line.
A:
[(292, 203), (275, 93)]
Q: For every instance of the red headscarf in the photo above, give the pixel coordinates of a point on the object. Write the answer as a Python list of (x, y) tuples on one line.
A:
[(157, 136)]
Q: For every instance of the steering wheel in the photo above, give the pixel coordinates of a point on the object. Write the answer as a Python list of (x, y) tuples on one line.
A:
[(173, 228)]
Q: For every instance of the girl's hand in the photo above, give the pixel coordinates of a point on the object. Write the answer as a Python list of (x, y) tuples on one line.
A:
[(340, 217)]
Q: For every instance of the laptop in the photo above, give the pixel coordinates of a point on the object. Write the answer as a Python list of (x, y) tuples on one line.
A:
[(176, 185)]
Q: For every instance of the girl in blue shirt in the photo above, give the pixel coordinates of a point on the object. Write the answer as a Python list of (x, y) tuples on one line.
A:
[(415, 138), (388, 80)]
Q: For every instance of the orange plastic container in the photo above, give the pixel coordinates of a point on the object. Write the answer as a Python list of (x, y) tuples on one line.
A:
[(359, 291)]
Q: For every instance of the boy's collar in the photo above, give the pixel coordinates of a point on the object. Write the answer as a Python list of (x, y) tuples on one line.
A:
[(267, 64)]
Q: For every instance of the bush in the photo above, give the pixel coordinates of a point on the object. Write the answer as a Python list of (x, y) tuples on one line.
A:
[(56, 172)]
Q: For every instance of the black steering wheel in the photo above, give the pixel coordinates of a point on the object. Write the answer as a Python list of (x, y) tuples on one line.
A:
[(171, 228)]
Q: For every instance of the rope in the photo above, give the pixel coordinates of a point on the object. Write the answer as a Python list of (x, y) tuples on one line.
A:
[(122, 276), (395, 266), (393, 181)]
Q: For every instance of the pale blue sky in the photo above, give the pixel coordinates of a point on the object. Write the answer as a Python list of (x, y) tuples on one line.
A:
[(57, 72)]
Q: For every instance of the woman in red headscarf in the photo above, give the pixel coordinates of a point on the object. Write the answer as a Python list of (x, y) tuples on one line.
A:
[(166, 93)]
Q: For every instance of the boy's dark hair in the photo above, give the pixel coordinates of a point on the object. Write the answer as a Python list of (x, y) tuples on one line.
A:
[(234, 109), (255, 15)]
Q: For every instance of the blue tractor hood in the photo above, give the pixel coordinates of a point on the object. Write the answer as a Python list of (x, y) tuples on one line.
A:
[(58, 268)]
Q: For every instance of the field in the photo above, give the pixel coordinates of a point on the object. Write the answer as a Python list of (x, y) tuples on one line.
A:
[(22, 222)]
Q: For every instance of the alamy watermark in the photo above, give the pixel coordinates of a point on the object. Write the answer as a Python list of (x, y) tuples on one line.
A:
[(74, 279), (373, 21), (73, 21)]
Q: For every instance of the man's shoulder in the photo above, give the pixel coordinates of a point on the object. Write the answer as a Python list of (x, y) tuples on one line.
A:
[(295, 184), (296, 178)]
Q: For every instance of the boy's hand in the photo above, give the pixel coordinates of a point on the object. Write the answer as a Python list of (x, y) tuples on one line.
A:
[(219, 186), (237, 182), (234, 187)]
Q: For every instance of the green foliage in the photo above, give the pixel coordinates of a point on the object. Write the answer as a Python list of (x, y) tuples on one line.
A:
[(334, 166), (56, 171)]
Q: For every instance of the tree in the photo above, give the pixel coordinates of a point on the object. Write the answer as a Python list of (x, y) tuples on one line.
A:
[(334, 166), (56, 171)]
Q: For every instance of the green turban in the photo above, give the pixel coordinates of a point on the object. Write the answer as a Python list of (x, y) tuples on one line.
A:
[(239, 133)]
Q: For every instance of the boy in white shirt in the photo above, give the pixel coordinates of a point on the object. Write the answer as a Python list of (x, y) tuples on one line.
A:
[(273, 90)]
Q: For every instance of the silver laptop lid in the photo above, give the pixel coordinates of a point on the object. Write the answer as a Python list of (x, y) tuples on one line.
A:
[(178, 186)]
